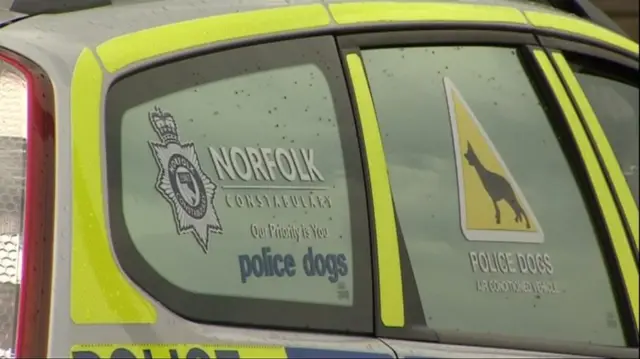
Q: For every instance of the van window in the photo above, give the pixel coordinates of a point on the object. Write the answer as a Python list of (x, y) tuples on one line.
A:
[(235, 187), (499, 237), (615, 102)]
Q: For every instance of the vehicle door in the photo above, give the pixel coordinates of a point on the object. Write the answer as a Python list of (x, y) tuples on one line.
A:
[(212, 203), (501, 240)]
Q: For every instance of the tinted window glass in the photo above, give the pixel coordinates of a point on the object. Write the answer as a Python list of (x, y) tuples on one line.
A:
[(616, 105), (237, 175), (498, 235)]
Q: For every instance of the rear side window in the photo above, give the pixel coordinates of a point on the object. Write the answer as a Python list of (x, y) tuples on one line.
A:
[(236, 190), (499, 236), (615, 102)]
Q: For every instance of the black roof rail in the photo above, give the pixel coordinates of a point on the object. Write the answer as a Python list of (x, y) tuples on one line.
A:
[(587, 10), (33, 7)]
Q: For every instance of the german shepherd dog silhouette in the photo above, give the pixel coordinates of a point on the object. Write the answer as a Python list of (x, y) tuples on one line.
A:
[(497, 187)]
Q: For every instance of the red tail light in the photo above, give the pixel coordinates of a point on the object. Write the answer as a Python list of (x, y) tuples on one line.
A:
[(26, 206)]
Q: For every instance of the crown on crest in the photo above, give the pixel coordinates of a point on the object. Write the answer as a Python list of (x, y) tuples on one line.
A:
[(164, 125)]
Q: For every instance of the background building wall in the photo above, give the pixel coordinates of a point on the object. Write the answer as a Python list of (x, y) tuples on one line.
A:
[(624, 12)]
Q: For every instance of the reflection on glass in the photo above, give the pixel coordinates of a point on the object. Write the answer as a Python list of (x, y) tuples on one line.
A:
[(467, 168), (233, 174), (616, 105)]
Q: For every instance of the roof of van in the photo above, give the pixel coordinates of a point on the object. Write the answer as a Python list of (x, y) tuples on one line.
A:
[(127, 16), (60, 31), (65, 6)]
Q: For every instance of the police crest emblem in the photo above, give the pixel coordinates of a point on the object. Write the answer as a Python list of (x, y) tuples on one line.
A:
[(181, 181)]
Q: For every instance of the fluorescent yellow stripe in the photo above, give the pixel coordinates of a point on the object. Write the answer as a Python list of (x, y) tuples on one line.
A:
[(580, 27), (602, 144), (391, 296), (163, 350), (607, 204), (359, 12), (99, 292), (143, 45)]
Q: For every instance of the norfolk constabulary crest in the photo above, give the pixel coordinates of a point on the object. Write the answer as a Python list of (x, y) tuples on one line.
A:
[(181, 181)]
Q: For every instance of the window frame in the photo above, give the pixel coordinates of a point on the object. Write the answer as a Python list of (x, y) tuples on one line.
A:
[(580, 53), (524, 43), (554, 43), (255, 313)]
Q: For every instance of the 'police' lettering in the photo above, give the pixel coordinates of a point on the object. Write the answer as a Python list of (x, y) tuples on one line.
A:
[(507, 262), (173, 354), (267, 265), (160, 352), (197, 353), (84, 355), (122, 353), (227, 354)]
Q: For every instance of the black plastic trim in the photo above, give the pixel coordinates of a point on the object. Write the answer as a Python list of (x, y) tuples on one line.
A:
[(32, 7), (436, 37)]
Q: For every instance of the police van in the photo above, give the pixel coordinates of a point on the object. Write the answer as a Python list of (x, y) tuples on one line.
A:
[(317, 179)]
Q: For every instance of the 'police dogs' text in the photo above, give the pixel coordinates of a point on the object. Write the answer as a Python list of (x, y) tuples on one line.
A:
[(281, 265)]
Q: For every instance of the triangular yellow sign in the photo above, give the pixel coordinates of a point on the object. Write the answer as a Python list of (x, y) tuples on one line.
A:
[(492, 205)]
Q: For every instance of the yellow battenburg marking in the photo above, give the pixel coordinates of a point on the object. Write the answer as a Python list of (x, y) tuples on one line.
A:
[(157, 351), (99, 292), (125, 50), (605, 199), (360, 12), (580, 27), (390, 277), (492, 205), (628, 204)]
